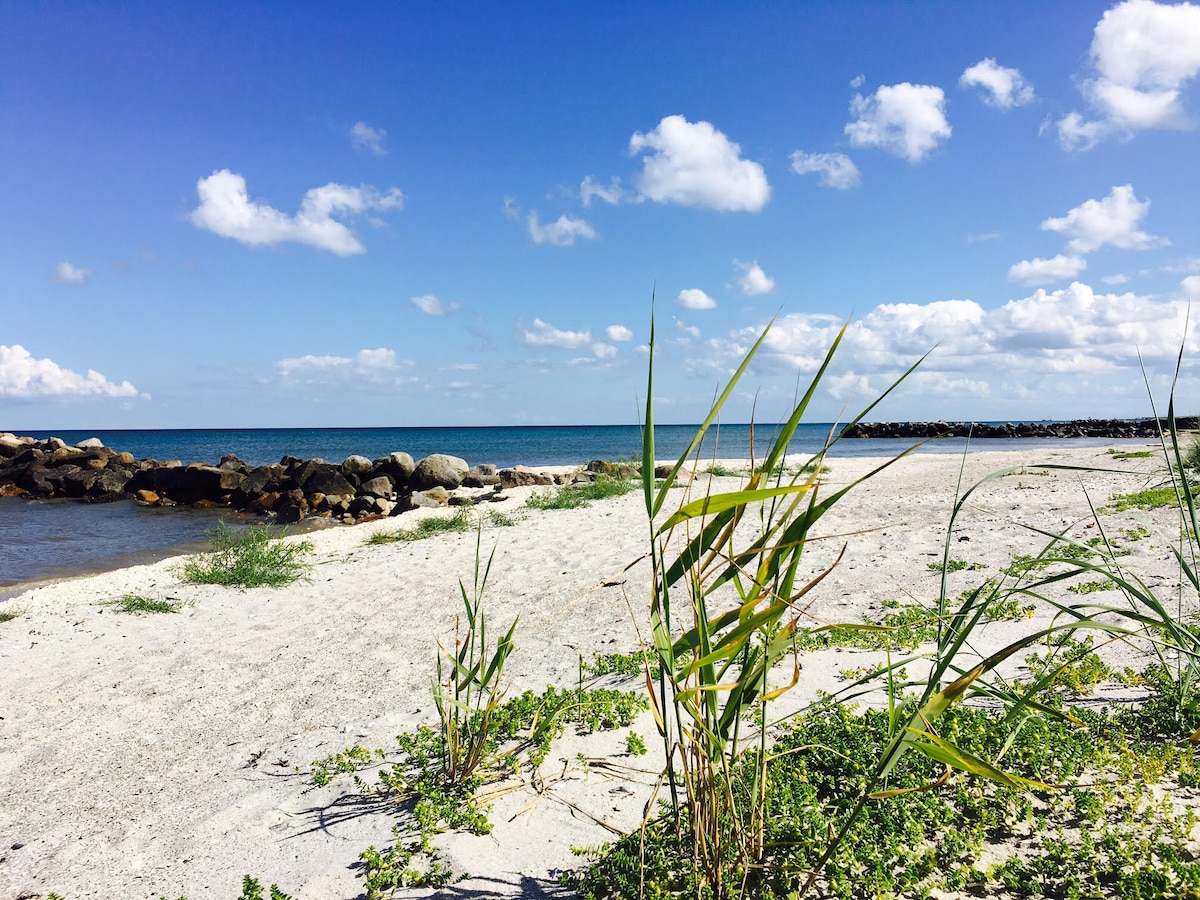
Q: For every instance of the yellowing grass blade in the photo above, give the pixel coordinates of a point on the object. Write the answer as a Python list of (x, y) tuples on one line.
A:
[(718, 503), (941, 750)]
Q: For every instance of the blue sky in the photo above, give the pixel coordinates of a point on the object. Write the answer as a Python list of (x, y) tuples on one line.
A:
[(256, 215)]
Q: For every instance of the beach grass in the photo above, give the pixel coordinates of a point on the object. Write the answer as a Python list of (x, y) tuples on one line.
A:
[(7, 615), (578, 496), (137, 604), (256, 558), (426, 528)]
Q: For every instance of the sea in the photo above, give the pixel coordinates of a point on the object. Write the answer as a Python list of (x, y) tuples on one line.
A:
[(50, 539)]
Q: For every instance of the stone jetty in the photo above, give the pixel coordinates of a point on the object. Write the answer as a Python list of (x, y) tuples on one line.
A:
[(1091, 428), (354, 490)]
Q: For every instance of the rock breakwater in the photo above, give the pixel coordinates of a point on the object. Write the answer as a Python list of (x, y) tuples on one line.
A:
[(356, 489), (1076, 428)]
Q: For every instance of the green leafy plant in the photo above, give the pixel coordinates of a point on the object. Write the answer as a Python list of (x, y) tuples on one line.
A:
[(634, 745), (256, 558), (344, 762), (1129, 454), (252, 890), (467, 691), (137, 604), (954, 565), (712, 685)]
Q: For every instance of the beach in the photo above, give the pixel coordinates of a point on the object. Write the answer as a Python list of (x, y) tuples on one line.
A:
[(167, 755)]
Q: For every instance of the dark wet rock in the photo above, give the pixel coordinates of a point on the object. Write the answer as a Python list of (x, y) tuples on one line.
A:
[(482, 475), (379, 486)]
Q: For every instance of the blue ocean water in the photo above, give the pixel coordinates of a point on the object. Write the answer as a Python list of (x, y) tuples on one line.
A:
[(40, 540)]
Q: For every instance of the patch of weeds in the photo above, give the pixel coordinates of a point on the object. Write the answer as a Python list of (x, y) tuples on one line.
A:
[(721, 471), (497, 519), (576, 496), (1007, 608), (426, 528), (255, 558), (7, 615), (1091, 587), (139, 605), (627, 665), (924, 842), (634, 745), (955, 565), (1022, 564), (1129, 454), (1150, 498), (1135, 534), (1072, 667), (402, 865), (905, 627), (252, 890), (344, 762)]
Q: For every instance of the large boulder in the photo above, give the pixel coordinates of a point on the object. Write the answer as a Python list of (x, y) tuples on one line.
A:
[(438, 470), (379, 486), (481, 476), (91, 443), (187, 484), (398, 466), (357, 466), (521, 477), (324, 478)]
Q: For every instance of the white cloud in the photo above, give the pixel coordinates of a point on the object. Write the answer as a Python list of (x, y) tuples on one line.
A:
[(432, 306), (694, 164), (364, 137), (1111, 221), (22, 376), (66, 273), (987, 236), (1004, 88), (837, 170), (689, 330), (378, 365), (1050, 342), (1044, 271), (618, 333), (694, 298), (612, 193), (226, 209), (561, 233), (754, 281), (543, 334), (604, 351), (1190, 288), (906, 120), (1142, 55), (1115, 279)]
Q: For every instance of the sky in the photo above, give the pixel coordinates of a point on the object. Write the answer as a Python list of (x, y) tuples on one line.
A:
[(238, 215)]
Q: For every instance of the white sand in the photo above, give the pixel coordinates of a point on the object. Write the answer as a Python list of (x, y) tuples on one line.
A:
[(155, 755)]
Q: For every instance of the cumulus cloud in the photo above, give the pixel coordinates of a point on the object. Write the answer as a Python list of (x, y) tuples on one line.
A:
[(561, 233), (226, 209), (694, 164), (1115, 279), (906, 120), (1142, 56), (753, 281), (612, 193), (618, 333), (604, 351), (66, 273), (24, 377), (694, 298), (1190, 288), (837, 170), (370, 364), (543, 334), (432, 306), (1003, 87), (689, 330), (1073, 335), (1045, 271), (1112, 221), (364, 137)]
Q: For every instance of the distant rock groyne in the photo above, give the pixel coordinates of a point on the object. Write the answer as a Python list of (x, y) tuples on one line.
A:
[(1076, 428), (355, 490)]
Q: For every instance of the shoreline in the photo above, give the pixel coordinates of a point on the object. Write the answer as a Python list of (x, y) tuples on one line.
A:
[(147, 756)]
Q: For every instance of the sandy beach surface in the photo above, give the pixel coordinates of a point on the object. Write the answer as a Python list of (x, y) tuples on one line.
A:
[(157, 755)]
